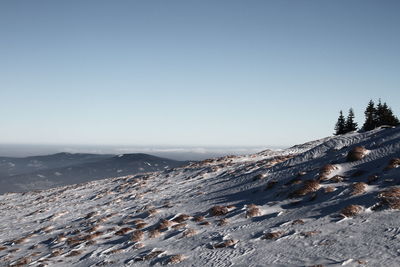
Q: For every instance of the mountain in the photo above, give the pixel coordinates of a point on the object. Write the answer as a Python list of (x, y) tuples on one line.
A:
[(42, 172), (329, 202), (14, 166)]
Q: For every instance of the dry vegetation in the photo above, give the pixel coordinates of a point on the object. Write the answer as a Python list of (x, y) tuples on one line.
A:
[(351, 210), (273, 235), (189, 233), (393, 163), (357, 153), (164, 224), (326, 170), (137, 236), (199, 218), (329, 189), (358, 188), (154, 233), (218, 211), (223, 222), (176, 259), (309, 186), (226, 243), (123, 231), (390, 198), (298, 221), (252, 211), (310, 233), (181, 218)]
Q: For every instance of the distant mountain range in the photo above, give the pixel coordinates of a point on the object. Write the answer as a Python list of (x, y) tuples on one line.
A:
[(42, 172)]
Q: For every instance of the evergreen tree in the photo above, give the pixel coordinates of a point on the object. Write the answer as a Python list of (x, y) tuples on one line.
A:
[(384, 115), (340, 125), (370, 117), (387, 116), (350, 124), (379, 114)]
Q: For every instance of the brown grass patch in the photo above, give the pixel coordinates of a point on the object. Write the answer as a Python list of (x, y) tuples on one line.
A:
[(73, 241), (153, 254), (390, 198), (179, 226), (351, 210), (357, 153), (358, 188), (205, 223), (123, 231), (393, 163), (138, 245), (141, 225), (327, 169), (114, 251), (189, 233), (174, 259), (55, 253), (199, 218), (181, 218), (218, 211), (329, 189), (222, 222), (226, 243), (337, 179), (20, 240), (137, 236), (298, 221), (309, 186), (74, 253), (252, 211), (164, 224), (273, 235), (151, 212), (310, 233), (22, 262), (154, 233)]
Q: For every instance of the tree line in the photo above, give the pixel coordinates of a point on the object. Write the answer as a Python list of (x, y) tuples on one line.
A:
[(375, 116)]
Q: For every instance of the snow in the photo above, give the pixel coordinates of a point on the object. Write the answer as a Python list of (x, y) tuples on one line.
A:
[(53, 227)]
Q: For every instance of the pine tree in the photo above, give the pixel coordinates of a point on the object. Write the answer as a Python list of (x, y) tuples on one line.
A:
[(379, 114), (385, 116), (340, 125), (370, 117), (350, 124)]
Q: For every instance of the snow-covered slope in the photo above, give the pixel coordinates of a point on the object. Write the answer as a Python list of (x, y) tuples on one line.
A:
[(322, 203)]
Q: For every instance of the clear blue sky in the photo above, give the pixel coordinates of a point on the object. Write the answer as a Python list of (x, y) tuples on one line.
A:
[(192, 72)]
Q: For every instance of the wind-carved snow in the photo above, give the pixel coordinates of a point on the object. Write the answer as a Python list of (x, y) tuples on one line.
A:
[(273, 208)]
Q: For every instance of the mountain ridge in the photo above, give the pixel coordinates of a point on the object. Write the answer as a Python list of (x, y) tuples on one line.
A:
[(329, 202)]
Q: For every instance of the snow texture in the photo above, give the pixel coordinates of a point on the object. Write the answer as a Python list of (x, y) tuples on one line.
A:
[(275, 208)]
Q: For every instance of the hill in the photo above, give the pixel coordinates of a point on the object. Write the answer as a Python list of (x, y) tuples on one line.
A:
[(329, 202), (43, 172)]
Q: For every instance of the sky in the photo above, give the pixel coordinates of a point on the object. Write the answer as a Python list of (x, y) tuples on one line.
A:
[(192, 73)]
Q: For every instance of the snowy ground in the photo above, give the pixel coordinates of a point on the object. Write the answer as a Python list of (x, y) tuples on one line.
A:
[(270, 212)]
